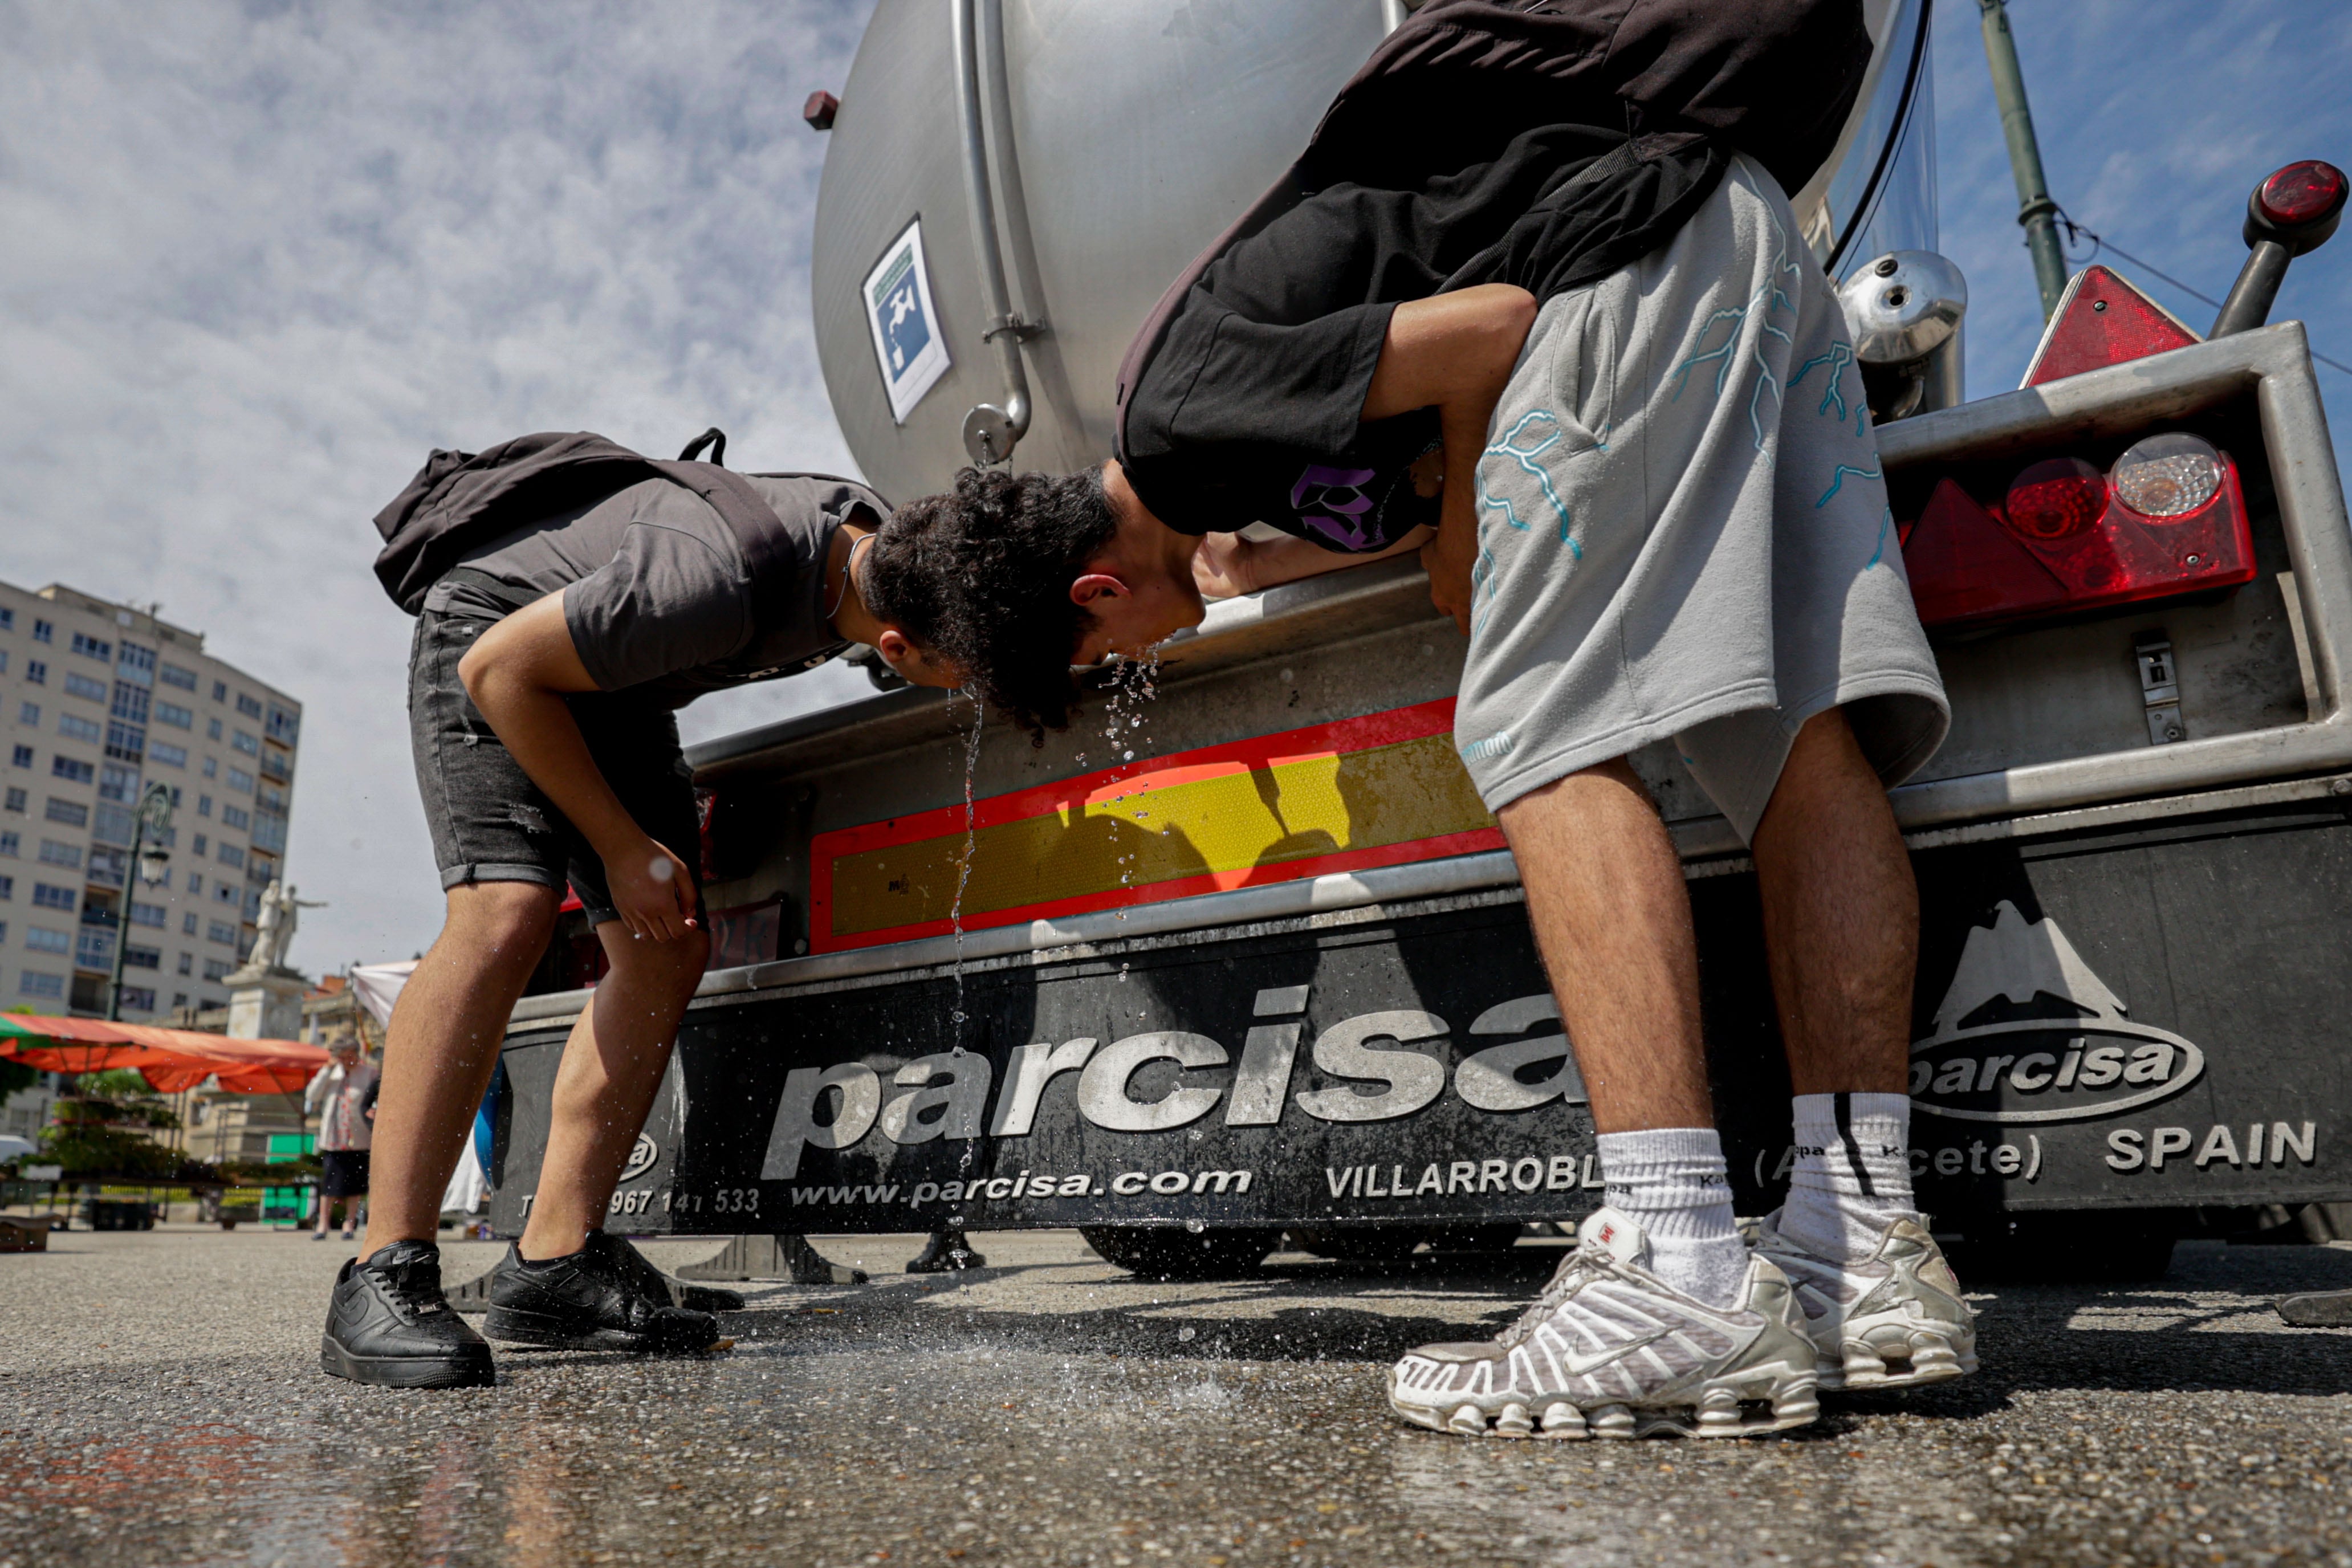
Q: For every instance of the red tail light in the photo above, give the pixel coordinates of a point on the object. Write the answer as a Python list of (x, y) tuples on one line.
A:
[(2301, 193), (2166, 520)]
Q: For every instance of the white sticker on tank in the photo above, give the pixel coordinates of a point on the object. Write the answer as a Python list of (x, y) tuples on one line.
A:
[(907, 342)]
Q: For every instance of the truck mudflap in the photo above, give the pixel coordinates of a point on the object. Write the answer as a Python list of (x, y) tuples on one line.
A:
[(2112, 1012)]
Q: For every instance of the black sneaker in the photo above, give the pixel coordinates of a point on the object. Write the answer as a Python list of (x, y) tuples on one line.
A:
[(389, 1324), (590, 1300), (945, 1252), (660, 1288)]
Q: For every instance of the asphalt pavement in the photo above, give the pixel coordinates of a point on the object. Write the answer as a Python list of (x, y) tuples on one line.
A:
[(161, 1403)]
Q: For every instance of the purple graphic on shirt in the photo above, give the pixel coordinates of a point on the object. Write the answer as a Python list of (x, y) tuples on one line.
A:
[(1322, 491)]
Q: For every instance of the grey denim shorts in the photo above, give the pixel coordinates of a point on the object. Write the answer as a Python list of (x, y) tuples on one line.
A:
[(490, 822)]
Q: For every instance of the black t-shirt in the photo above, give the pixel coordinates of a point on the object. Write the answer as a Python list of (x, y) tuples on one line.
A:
[(1482, 145)]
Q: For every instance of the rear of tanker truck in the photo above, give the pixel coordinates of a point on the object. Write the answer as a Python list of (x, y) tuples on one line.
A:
[(1241, 954)]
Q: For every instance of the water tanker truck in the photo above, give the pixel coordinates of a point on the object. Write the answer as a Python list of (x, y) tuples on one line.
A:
[(1241, 954)]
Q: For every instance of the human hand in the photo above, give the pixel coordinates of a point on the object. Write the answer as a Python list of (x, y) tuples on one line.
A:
[(652, 890), (1449, 558)]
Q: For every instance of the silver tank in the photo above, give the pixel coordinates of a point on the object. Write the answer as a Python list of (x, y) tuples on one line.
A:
[(1098, 145)]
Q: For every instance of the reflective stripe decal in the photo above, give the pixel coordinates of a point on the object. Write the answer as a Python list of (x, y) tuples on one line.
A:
[(1380, 789)]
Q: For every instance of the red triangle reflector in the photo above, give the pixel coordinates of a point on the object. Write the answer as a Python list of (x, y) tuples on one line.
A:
[(1964, 565), (2102, 320)]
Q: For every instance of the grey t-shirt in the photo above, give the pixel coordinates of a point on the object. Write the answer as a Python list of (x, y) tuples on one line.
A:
[(655, 593)]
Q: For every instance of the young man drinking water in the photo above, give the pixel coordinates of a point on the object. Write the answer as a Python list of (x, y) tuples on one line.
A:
[(554, 643), (1601, 385)]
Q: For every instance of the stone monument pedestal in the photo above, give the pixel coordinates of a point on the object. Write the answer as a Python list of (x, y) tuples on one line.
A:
[(266, 1004)]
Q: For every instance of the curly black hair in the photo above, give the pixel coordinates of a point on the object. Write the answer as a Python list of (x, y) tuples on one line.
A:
[(982, 576)]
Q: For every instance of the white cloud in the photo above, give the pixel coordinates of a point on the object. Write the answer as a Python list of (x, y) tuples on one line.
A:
[(262, 258)]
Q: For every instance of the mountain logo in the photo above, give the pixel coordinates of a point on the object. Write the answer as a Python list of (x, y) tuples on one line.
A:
[(2027, 1033)]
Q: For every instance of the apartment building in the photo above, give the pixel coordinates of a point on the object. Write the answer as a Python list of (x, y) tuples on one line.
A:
[(98, 700)]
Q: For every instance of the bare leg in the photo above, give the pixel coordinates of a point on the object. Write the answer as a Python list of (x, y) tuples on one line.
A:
[(612, 1069), (1841, 917), (1613, 921), (442, 1047)]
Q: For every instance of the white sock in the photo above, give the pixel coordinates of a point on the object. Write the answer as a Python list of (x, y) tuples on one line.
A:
[(1853, 1176), (1671, 1182)]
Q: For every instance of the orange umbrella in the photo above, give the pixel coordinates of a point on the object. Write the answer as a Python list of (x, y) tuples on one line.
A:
[(170, 1060)]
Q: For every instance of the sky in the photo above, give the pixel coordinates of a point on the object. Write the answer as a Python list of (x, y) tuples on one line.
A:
[(257, 260)]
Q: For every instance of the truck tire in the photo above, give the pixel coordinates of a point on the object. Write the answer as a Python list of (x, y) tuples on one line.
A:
[(1174, 1252)]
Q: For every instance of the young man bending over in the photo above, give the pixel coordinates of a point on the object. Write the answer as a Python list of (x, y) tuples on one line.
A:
[(1628, 438), (544, 684)]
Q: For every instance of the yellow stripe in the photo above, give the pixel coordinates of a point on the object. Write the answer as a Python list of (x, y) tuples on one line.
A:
[(1293, 810)]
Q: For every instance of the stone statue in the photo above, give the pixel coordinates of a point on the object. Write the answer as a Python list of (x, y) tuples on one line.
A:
[(280, 912)]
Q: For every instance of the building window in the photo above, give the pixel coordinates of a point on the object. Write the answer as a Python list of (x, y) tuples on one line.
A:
[(52, 852), (220, 691), (32, 982), (159, 751), (17, 801), (249, 707), (231, 855), (152, 914), (95, 950), (4, 660), (204, 805), (73, 726), (284, 726), (241, 780), (269, 833), (212, 729), (7, 619), (49, 897), (187, 963), (128, 741), (91, 648), (22, 757), (199, 843), (72, 813), (67, 768), (4, 933), (7, 888), (212, 767), (221, 931), (10, 845), (30, 713), (248, 744), (42, 939), (225, 892), (173, 675), (217, 968), (175, 716), (231, 816), (188, 923), (195, 885), (80, 686), (114, 823), (44, 633), (129, 703), (138, 998), (141, 958), (135, 662), (109, 866)]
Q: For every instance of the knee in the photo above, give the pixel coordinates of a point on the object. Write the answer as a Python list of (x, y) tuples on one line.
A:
[(504, 921)]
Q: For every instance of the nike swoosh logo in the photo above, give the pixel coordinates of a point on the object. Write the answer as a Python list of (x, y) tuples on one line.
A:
[(1577, 1366)]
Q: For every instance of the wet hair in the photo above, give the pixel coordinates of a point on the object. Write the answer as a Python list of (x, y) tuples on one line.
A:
[(982, 574)]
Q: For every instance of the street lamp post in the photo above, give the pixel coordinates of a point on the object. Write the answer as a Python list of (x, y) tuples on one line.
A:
[(149, 862)]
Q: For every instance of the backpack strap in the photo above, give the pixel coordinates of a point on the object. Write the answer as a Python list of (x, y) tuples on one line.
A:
[(770, 556)]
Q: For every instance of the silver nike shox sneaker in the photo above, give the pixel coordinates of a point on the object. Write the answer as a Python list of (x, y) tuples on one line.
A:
[(1610, 1350), (1892, 1320)]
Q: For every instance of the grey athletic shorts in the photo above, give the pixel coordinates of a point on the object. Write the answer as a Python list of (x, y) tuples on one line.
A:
[(1682, 530)]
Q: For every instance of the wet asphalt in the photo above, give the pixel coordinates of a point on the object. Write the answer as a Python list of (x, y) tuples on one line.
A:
[(160, 1402)]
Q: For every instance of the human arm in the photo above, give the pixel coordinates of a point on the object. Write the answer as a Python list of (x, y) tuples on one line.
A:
[(1229, 565), (519, 674), (1454, 352)]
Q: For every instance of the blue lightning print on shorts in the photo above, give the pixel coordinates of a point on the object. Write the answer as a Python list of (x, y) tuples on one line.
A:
[(1837, 481), (1524, 456), (1839, 357), (1769, 298), (1886, 521)]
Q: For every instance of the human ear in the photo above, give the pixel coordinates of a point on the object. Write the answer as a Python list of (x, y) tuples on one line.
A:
[(1097, 585)]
